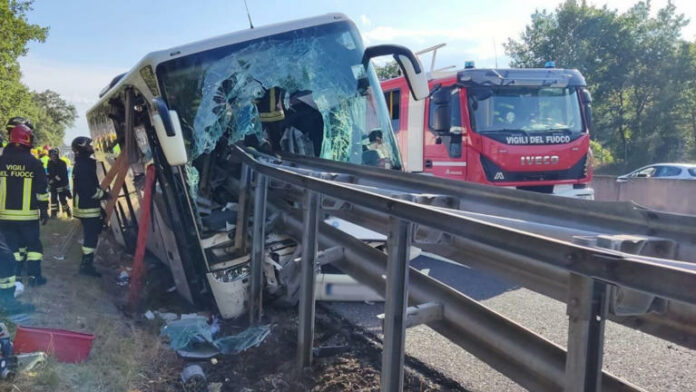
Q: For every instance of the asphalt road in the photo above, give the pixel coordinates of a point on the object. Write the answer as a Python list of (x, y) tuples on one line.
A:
[(642, 359)]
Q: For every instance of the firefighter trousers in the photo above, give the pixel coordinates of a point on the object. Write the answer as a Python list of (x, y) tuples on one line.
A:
[(61, 194), (23, 238), (91, 228), (7, 270)]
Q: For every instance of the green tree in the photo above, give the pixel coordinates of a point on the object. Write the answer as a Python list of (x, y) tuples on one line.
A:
[(388, 71), (16, 32), (49, 113), (638, 69), (54, 116)]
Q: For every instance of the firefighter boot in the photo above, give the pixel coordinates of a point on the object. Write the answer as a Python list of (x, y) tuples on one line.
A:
[(9, 305), (34, 273), (87, 266), (66, 209)]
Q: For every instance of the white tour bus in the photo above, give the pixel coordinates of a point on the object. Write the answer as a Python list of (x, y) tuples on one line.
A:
[(304, 87)]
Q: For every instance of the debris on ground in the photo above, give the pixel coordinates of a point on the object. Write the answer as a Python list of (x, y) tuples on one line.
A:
[(194, 337), (123, 277), (250, 337), (215, 387), (194, 379), (28, 361)]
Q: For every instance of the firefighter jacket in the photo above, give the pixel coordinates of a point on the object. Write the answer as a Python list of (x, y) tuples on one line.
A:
[(57, 174), (23, 185), (88, 194), (270, 106)]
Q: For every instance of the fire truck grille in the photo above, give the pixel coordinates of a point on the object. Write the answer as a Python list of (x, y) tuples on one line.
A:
[(495, 174)]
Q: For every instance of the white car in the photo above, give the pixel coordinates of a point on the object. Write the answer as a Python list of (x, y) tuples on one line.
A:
[(672, 171)]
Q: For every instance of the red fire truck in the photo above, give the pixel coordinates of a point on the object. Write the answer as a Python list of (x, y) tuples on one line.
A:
[(522, 128)]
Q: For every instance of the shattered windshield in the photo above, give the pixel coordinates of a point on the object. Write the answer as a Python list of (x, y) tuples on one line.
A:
[(303, 92), (525, 109)]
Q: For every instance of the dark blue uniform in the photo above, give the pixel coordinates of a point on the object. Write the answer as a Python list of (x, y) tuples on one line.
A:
[(23, 195)]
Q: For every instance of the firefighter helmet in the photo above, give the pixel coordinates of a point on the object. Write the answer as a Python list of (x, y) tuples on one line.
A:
[(21, 134), (14, 121), (82, 145)]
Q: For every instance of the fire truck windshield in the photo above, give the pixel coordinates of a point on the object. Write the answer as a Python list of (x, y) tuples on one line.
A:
[(302, 92), (525, 109)]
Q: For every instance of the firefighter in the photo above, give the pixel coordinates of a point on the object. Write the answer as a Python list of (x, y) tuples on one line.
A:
[(43, 157), (86, 203), (23, 200), (58, 183)]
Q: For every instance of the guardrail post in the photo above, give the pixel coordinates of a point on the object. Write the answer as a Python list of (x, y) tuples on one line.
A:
[(588, 306), (258, 241), (396, 300), (305, 333), (240, 233)]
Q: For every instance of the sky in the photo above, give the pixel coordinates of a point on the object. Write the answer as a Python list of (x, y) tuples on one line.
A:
[(91, 41)]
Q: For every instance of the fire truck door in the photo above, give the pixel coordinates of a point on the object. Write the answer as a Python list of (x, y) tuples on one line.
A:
[(444, 153)]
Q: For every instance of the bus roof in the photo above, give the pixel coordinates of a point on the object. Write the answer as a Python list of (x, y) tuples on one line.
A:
[(133, 77)]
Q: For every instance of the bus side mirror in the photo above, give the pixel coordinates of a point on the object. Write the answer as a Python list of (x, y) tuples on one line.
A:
[(586, 99), (169, 134), (410, 66)]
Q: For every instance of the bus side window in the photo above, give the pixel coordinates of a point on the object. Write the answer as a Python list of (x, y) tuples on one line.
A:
[(393, 99)]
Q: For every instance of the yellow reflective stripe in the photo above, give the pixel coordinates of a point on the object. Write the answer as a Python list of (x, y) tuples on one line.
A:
[(15, 215), (23, 250), (3, 192), (26, 196), (42, 196), (33, 256), (98, 194), (273, 113), (87, 212), (18, 256), (83, 214), (87, 251), (8, 283)]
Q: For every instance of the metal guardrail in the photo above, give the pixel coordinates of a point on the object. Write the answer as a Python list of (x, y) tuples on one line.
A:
[(612, 217), (527, 358), (550, 216)]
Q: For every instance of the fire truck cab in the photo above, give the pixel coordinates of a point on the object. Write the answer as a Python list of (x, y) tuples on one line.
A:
[(521, 128)]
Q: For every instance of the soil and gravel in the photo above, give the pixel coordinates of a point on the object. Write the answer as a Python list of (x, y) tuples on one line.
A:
[(129, 355), (353, 367)]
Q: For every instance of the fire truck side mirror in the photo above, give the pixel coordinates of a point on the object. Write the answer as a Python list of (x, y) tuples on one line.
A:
[(410, 66), (169, 134)]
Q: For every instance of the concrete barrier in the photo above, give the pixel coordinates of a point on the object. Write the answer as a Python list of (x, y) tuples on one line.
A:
[(677, 196)]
